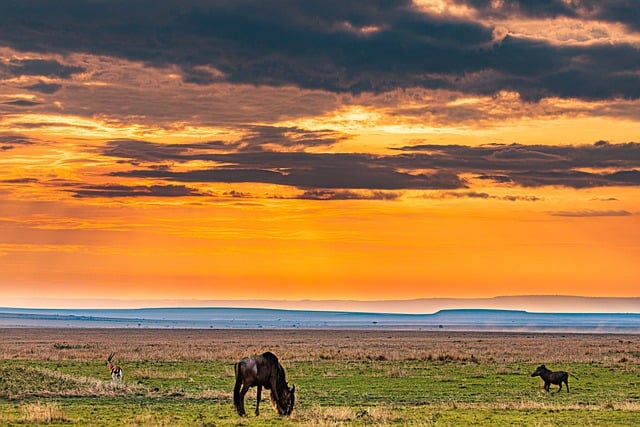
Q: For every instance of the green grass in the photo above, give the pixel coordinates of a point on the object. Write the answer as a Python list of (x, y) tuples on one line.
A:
[(329, 392)]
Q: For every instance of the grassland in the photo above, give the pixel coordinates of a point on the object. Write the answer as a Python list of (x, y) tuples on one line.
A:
[(185, 378)]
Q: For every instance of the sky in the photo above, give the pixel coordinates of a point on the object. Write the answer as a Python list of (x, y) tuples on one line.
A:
[(367, 150)]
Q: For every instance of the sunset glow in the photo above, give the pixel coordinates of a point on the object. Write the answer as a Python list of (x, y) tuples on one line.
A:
[(369, 150)]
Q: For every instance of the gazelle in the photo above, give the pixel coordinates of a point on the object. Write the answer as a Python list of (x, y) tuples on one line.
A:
[(116, 370)]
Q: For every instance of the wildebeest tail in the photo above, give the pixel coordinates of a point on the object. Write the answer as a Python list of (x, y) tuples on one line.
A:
[(236, 387), (574, 376)]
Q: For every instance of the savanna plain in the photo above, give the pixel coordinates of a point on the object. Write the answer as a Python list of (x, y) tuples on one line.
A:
[(342, 377)]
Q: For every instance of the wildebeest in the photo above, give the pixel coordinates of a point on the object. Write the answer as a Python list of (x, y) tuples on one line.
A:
[(550, 377), (263, 370)]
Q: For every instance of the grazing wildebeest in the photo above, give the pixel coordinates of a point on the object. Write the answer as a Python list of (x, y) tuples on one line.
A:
[(550, 377), (263, 370)]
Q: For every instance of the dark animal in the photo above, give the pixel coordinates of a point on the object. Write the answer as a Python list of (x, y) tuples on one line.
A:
[(263, 370), (550, 377)]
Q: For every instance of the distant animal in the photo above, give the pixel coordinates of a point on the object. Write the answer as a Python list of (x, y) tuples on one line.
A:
[(263, 370), (550, 377), (116, 370)]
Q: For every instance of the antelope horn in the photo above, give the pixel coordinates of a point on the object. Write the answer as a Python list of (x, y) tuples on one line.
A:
[(111, 356)]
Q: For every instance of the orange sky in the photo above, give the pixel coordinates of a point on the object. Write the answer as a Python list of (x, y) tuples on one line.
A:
[(452, 165)]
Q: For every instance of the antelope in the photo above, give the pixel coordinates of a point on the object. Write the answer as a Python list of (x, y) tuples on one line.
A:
[(116, 370)]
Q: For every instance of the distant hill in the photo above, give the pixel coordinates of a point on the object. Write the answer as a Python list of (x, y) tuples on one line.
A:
[(255, 318), (530, 303)]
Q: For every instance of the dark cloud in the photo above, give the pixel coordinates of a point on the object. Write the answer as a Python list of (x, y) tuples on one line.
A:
[(11, 140), (15, 139), (590, 213), (584, 166), (528, 8), (256, 137), (318, 194), (501, 179), (353, 177), (143, 151), (22, 103), (480, 195), (537, 165), (47, 88), (605, 199), (20, 181), (36, 125), (576, 179), (289, 137), (518, 157), (199, 76), (622, 11), (40, 67), (339, 46), (298, 169), (237, 194), (114, 190)]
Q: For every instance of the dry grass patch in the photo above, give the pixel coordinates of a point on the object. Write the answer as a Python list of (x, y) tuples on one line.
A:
[(339, 415), (24, 382), (623, 406), (149, 420), (43, 412), (396, 372), (327, 416), (304, 345)]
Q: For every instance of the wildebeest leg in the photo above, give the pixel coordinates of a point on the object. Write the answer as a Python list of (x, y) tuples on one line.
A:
[(258, 400), (566, 382), (244, 390), (236, 391), (560, 384), (547, 385)]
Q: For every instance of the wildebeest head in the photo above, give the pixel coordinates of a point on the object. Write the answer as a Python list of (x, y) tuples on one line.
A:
[(539, 370), (288, 399)]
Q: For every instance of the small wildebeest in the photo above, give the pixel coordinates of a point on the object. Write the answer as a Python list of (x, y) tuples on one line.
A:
[(263, 370), (550, 377)]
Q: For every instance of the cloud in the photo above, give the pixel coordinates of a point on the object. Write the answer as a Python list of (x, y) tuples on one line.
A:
[(46, 88), (11, 140), (621, 11), (590, 213), (354, 177), (576, 179), (336, 46), (15, 139), (237, 194), (547, 157), (347, 195), (289, 137), (298, 169), (255, 138), (480, 195), (22, 103), (583, 166), (114, 190), (20, 181), (40, 67)]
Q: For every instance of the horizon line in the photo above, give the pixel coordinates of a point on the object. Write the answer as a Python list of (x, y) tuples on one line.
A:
[(541, 303)]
